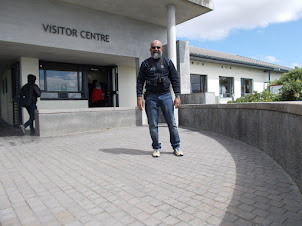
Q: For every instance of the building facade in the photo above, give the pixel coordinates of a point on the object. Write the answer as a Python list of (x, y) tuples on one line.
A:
[(227, 76), (73, 46)]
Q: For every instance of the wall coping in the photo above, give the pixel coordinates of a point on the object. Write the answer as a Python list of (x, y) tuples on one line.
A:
[(292, 107), (56, 111)]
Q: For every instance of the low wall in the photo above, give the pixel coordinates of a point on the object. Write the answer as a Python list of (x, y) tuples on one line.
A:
[(63, 122), (198, 98), (275, 128)]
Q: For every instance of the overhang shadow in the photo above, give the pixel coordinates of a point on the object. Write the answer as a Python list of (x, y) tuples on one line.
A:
[(260, 183)]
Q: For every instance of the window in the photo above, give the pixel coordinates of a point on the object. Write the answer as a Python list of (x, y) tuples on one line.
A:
[(4, 86), (198, 83), (61, 81), (246, 86), (226, 86)]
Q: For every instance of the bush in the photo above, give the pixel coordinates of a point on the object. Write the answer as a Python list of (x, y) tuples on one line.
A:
[(291, 89), (292, 85), (264, 96)]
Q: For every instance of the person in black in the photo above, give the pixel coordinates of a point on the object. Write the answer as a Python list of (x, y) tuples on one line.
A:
[(158, 73), (34, 93)]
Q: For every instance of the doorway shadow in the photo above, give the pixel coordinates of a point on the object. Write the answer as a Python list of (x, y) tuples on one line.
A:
[(7, 130)]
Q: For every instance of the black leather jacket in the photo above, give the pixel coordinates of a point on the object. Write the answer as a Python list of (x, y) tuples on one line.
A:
[(158, 79)]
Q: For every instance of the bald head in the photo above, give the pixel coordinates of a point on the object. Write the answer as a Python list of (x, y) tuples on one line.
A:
[(156, 49), (156, 43)]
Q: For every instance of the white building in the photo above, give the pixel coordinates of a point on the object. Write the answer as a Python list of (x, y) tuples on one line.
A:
[(68, 44), (228, 76)]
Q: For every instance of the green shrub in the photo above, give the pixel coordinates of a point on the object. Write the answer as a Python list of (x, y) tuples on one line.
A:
[(264, 96), (292, 85), (291, 89)]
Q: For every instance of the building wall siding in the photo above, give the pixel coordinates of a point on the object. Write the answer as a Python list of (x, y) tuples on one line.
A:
[(22, 22), (214, 70)]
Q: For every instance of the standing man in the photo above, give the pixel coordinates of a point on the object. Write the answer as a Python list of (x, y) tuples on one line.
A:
[(29, 94), (159, 72)]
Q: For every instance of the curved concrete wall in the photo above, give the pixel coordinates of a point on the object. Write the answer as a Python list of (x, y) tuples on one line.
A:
[(275, 128)]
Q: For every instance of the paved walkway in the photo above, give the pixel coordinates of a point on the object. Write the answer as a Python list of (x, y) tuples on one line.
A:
[(110, 178)]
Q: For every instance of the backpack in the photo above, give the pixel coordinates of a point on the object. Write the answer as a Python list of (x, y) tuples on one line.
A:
[(26, 96)]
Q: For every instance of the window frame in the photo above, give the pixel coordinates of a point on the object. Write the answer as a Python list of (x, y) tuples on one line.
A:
[(243, 86), (231, 83), (64, 95), (202, 77)]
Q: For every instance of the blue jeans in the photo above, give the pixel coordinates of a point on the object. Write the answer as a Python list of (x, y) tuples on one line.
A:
[(165, 102), (30, 122)]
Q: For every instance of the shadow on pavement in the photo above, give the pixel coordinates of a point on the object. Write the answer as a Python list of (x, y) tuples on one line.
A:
[(263, 193), (128, 151)]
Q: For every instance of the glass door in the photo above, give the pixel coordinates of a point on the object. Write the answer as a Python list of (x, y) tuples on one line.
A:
[(103, 86)]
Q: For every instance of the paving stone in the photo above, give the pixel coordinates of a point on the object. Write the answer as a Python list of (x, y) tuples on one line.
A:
[(151, 221), (198, 222), (75, 223), (65, 217), (260, 212), (245, 207), (170, 220), (202, 215), (10, 222), (91, 179), (126, 220), (143, 216), (185, 217), (244, 222), (229, 218), (213, 220)]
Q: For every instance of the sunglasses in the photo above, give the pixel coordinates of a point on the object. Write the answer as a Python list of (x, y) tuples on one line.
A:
[(155, 47)]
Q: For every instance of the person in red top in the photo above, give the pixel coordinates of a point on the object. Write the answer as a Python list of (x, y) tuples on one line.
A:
[(97, 94)]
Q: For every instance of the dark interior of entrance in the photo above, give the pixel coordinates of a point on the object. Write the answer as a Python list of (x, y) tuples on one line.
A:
[(102, 83)]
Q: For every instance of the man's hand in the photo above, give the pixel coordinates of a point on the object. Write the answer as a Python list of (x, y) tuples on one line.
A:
[(176, 102), (140, 103)]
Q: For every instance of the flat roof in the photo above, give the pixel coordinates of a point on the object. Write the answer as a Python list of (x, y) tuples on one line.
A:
[(154, 11), (215, 56)]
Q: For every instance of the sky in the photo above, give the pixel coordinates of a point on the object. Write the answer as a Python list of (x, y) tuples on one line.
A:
[(266, 30)]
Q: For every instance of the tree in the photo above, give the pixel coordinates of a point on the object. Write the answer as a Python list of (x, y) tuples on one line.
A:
[(292, 85), (291, 89)]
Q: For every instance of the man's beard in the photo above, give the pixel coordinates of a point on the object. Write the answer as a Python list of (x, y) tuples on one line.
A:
[(156, 55)]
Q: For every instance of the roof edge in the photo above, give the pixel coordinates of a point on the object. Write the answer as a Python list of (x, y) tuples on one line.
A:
[(205, 3), (235, 62)]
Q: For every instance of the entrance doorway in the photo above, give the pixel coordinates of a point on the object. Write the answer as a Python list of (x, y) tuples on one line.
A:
[(16, 86), (102, 86)]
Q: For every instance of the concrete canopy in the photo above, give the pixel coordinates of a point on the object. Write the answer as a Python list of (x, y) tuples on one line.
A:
[(154, 11), (148, 11)]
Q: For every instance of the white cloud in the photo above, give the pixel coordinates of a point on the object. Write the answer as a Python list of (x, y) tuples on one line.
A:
[(271, 59), (239, 14), (296, 65)]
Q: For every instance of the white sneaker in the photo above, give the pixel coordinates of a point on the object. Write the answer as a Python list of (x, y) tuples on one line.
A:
[(156, 153), (178, 152), (22, 128)]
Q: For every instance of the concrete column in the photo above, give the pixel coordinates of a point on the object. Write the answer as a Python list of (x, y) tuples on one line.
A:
[(171, 34), (171, 44)]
